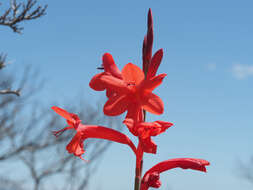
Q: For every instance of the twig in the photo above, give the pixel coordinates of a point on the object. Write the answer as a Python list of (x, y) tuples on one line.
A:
[(8, 91), (19, 12)]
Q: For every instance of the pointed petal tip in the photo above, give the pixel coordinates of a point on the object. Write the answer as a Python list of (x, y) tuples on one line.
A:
[(54, 108), (163, 75), (149, 12), (160, 51)]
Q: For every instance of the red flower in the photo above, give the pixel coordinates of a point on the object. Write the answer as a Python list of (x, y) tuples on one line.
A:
[(133, 92), (84, 132), (144, 130), (151, 177)]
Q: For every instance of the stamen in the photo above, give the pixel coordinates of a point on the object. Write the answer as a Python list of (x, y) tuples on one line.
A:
[(100, 68), (58, 133), (87, 161)]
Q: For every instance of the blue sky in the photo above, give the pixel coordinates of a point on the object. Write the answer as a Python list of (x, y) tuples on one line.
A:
[(207, 92)]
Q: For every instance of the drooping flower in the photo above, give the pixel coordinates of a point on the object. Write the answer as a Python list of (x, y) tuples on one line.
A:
[(152, 177), (144, 130), (133, 92), (84, 132)]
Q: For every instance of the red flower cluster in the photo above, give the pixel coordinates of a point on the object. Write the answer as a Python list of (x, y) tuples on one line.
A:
[(131, 91)]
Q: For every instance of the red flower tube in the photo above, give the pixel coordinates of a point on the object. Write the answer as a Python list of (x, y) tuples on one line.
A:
[(151, 177), (84, 132), (144, 130)]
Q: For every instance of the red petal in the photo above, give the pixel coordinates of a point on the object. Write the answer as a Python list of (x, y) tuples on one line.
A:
[(155, 63), (76, 145), (110, 66), (114, 84), (132, 74), (116, 105), (154, 128), (150, 84), (153, 104), (64, 114), (96, 84), (148, 145), (105, 80), (93, 131)]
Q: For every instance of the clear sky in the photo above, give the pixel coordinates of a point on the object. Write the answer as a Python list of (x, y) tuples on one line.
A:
[(208, 58)]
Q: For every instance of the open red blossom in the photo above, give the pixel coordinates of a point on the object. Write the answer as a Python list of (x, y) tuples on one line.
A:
[(144, 130), (133, 92), (84, 132), (152, 177)]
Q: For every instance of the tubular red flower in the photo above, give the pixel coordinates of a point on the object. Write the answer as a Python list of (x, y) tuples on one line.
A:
[(144, 130), (132, 89), (151, 177), (84, 132)]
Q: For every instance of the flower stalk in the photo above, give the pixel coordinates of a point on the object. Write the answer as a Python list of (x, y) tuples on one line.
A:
[(131, 91)]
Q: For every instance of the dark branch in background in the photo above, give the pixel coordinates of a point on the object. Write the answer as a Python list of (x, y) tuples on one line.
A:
[(26, 137), (25, 128), (7, 90), (19, 12), (12, 17), (2, 61)]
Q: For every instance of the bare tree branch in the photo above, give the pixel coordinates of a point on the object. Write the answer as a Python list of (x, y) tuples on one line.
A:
[(9, 91), (2, 61), (19, 12)]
